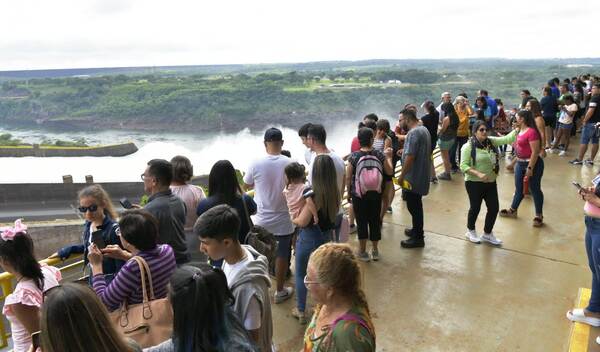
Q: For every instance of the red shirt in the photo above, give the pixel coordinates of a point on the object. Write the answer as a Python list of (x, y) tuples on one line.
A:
[(355, 146), (522, 145)]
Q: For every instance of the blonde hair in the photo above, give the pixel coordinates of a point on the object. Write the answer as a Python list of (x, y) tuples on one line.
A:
[(324, 181), (99, 194), (336, 266)]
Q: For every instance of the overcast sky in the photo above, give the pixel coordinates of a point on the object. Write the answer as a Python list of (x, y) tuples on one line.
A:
[(107, 33)]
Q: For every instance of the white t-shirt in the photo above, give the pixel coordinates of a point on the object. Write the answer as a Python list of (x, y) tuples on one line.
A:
[(340, 169), (564, 117), (253, 318), (268, 177), (308, 156)]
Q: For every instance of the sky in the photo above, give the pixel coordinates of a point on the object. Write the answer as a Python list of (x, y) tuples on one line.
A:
[(41, 34)]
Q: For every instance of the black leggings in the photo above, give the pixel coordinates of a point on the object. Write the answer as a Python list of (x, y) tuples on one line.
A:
[(367, 211), (477, 192)]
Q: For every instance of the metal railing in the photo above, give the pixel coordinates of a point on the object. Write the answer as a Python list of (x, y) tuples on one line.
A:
[(6, 279)]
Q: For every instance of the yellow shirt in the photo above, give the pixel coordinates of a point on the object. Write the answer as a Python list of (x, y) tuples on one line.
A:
[(463, 117)]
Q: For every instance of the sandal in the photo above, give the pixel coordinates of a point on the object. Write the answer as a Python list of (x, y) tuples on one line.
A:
[(578, 315), (508, 213), (538, 221)]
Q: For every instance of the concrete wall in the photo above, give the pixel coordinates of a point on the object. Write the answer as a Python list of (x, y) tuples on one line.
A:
[(36, 150), (48, 238)]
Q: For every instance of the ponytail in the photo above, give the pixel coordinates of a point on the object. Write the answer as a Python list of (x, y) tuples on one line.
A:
[(18, 252)]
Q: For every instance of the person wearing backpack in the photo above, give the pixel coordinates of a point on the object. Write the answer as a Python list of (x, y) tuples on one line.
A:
[(480, 164), (364, 177), (414, 177)]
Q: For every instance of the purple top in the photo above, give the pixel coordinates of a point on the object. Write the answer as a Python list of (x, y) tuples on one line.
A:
[(127, 285)]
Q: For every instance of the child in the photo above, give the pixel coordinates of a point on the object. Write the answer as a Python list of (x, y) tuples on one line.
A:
[(501, 125), (565, 124), (295, 184)]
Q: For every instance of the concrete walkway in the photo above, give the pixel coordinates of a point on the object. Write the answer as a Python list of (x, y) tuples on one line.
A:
[(457, 296)]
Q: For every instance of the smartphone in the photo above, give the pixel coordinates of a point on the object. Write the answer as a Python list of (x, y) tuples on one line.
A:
[(35, 340), (125, 203), (98, 240), (577, 185)]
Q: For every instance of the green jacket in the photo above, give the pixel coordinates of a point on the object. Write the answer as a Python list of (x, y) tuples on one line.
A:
[(485, 158)]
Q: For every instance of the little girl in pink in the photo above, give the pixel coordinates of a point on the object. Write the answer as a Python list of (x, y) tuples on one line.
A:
[(295, 184)]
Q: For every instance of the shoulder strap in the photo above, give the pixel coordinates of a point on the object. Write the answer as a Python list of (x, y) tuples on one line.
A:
[(250, 224), (145, 272)]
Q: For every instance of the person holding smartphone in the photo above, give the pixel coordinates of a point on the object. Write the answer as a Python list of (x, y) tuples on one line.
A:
[(100, 228), (591, 195)]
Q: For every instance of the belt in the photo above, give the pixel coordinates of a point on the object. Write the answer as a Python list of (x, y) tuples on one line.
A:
[(523, 160)]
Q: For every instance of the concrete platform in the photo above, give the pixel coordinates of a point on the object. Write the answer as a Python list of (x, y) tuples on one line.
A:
[(457, 296)]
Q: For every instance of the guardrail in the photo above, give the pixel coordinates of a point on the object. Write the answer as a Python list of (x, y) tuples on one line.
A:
[(7, 278)]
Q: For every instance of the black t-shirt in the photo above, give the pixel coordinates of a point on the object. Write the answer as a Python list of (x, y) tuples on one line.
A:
[(325, 224), (549, 106), (595, 103), (431, 122)]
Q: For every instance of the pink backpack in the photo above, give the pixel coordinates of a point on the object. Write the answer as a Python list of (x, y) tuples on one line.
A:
[(368, 176)]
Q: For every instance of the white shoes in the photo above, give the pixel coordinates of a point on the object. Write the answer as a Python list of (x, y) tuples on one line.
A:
[(491, 239), (471, 235), (562, 153)]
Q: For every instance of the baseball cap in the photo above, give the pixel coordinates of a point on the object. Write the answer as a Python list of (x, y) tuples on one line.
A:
[(273, 135)]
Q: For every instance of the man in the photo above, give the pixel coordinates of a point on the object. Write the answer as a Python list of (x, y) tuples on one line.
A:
[(303, 133), (564, 92), (588, 131), (246, 270), (414, 177), (446, 98), (491, 103), (267, 177), (166, 207)]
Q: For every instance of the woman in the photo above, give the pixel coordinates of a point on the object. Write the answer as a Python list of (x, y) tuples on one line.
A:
[(367, 206), (431, 121), (326, 201), (203, 319), (224, 188), (529, 167), (565, 125), (74, 319), (483, 111), (549, 107), (591, 314), (447, 138), (480, 164), (22, 307), (342, 320), (382, 142), (183, 171), (97, 208), (139, 233), (534, 106), (464, 112)]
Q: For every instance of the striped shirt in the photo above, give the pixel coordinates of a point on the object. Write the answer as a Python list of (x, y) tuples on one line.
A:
[(378, 144), (127, 284)]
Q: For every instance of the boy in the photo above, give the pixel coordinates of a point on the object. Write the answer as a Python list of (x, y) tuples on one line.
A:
[(246, 271)]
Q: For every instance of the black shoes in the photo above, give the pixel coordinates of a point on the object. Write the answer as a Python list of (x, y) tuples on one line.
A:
[(408, 232), (413, 242)]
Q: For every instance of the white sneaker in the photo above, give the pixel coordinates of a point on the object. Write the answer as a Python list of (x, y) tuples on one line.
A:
[(598, 340), (491, 239), (284, 295), (472, 236), (562, 153)]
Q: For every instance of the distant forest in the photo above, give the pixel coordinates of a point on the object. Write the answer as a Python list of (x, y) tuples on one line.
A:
[(236, 96)]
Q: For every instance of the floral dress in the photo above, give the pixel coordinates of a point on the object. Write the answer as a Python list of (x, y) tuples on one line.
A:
[(352, 332)]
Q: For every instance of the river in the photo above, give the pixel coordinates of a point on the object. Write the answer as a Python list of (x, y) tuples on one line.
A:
[(202, 149)]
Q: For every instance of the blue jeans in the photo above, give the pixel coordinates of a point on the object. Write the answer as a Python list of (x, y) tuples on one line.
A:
[(309, 239), (535, 185), (592, 247)]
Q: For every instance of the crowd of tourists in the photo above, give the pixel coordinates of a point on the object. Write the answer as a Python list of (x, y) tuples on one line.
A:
[(191, 270)]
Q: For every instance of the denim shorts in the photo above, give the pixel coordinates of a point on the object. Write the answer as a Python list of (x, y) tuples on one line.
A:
[(565, 126), (284, 245), (588, 133), (446, 145)]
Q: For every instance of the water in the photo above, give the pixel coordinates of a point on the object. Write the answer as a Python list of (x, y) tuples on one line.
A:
[(202, 149)]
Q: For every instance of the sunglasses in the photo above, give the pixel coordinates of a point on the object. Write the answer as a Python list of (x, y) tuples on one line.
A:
[(92, 208), (482, 130), (309, 282)]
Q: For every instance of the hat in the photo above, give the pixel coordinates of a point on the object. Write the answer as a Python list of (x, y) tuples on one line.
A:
[(273, 135)]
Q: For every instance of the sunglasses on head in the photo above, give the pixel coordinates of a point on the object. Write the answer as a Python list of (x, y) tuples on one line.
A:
[(92, 208)]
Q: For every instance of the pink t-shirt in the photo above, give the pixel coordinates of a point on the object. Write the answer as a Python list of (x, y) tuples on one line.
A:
[(26, 292), (294, 199), (522, 145), (191, 195), (591, 210), (355, 146)]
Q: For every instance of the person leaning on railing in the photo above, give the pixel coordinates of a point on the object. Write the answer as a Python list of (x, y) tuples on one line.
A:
[(73, 319), (139, 235), (99, 215)]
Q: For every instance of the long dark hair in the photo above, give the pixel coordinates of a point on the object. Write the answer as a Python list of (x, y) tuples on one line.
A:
[(202, 316), (327, 192), (73, 319), (19, 253), (529, 120), (223, 183), (536, 109), (449, 109)]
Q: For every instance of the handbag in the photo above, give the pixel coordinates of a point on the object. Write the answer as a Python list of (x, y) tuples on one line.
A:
[(148, 323), (261, 240)]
